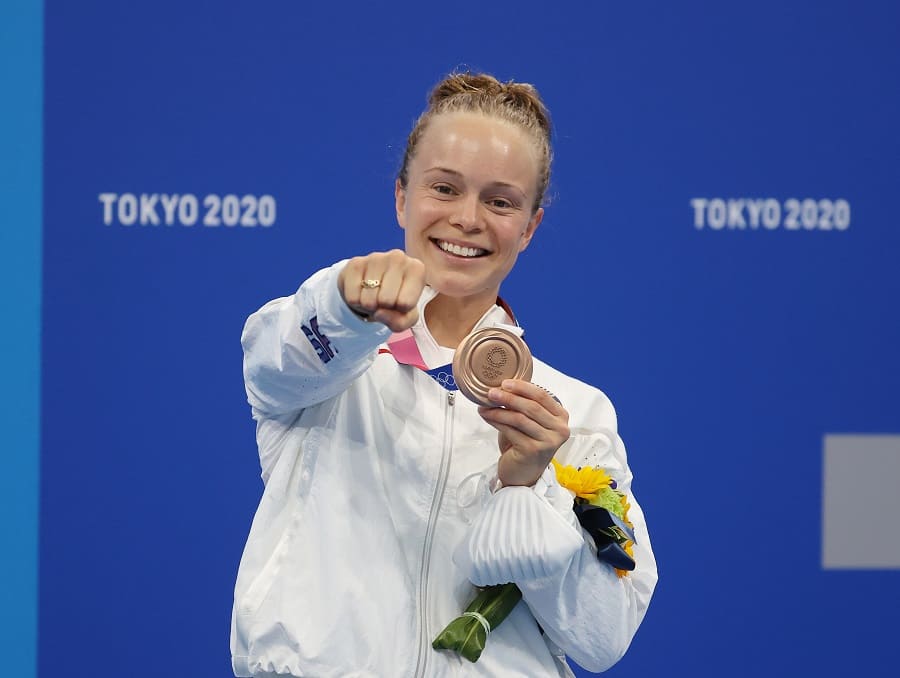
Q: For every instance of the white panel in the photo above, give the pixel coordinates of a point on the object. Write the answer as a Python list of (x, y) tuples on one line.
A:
[(861, 502)]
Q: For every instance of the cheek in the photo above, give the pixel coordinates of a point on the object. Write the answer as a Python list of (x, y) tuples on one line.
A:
[(429, 211), (419, 218), (420, 215), (514, 237)]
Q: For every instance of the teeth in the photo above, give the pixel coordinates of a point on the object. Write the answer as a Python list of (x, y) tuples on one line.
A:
[(460, 251)]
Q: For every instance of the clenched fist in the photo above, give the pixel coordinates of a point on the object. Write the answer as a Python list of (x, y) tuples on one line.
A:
[(384, 287)]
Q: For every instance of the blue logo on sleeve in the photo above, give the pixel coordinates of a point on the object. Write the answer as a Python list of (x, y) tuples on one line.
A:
[(320, 342)]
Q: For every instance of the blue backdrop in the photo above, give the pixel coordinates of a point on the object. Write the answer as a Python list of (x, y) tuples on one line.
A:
[(723, 222)]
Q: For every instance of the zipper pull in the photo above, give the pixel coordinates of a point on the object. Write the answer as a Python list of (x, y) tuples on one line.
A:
[(451, 398)]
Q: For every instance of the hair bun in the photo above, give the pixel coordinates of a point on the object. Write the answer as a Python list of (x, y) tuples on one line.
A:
[(518, 95), (464, 83)]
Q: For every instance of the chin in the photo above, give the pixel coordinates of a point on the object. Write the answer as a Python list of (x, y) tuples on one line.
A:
[(460, 289)]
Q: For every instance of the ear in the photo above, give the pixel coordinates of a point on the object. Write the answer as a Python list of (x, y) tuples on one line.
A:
[(531, 228), (400, 203)]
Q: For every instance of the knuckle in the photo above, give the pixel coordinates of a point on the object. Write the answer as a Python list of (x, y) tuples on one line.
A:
[(394, 259), (415, 267), (522, 420), (355, 265)]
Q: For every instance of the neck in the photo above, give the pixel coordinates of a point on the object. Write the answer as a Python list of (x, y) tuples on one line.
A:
[(451, 319)]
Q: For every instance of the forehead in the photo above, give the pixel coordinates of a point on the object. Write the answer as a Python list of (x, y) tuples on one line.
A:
[(480, 147)]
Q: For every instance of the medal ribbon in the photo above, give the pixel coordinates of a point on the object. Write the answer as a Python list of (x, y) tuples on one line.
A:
[(402, 345)]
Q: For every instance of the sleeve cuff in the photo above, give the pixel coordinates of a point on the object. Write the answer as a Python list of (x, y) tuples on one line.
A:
[(517, 537), (548, 489)]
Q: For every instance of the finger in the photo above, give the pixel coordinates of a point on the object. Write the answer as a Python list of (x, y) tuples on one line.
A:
[(513, 436), (512, 420), (412, 286), (349, 279), (389, 270), (389, 290), (537, 393), (534, 410), (374, 272)]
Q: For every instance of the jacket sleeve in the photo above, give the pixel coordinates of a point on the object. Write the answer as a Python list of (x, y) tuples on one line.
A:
[(303, 349), (530, 536), (586, 608)]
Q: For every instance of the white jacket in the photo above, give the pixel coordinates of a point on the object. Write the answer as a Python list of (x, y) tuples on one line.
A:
[(375, 517)]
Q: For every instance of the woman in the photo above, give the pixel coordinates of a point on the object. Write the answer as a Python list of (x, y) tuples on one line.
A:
[(376, 471)]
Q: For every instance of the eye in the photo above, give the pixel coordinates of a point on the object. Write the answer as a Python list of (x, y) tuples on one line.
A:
[(501, 203), (443, 189)]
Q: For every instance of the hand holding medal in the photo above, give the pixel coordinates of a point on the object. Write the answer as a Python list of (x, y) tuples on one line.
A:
[(492, 367)]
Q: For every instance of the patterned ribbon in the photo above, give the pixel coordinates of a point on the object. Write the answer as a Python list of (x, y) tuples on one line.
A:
[(402, 345)]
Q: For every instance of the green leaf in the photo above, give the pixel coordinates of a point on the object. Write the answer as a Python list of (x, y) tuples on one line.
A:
[(466, 635)]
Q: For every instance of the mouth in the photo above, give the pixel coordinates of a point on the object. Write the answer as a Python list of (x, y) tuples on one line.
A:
[(458, 250)]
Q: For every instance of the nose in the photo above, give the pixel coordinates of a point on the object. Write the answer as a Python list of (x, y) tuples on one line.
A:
[(466, 214)]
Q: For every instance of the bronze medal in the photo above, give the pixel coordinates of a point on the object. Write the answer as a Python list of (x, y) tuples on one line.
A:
[(485, 358)]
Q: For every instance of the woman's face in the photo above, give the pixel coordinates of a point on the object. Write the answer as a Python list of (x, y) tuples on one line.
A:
[(467, 207)]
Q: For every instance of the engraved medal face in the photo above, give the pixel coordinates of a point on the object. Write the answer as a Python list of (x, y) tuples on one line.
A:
[(485, 358)]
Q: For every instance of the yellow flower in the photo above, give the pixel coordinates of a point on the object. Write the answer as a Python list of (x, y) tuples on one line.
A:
[(585, 482), (629, 549), (625, 506)]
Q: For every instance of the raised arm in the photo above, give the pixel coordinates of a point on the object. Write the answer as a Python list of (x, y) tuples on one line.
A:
[(303, 349)]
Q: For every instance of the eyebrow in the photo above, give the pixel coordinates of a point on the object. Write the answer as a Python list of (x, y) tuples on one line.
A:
[(447, 170)]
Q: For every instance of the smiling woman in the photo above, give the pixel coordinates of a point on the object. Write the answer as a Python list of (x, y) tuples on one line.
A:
[(467, 211), (386, 495)]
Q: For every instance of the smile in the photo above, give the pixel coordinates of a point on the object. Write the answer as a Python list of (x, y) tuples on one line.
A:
[(457, 250)]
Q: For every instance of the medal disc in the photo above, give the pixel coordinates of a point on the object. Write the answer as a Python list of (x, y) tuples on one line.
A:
[(485, 358)]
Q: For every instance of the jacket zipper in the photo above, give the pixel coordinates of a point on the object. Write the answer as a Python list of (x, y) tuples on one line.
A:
[(437, 499)]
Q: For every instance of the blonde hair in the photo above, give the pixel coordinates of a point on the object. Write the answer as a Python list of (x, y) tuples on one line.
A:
[(516, 102)]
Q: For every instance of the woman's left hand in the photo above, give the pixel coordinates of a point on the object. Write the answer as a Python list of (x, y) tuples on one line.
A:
[(532, 426)]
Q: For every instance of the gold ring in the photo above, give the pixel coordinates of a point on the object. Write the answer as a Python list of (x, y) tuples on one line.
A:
[(370, 284)]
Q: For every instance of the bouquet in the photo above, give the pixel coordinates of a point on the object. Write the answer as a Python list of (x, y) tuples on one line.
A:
[(601, 510)]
